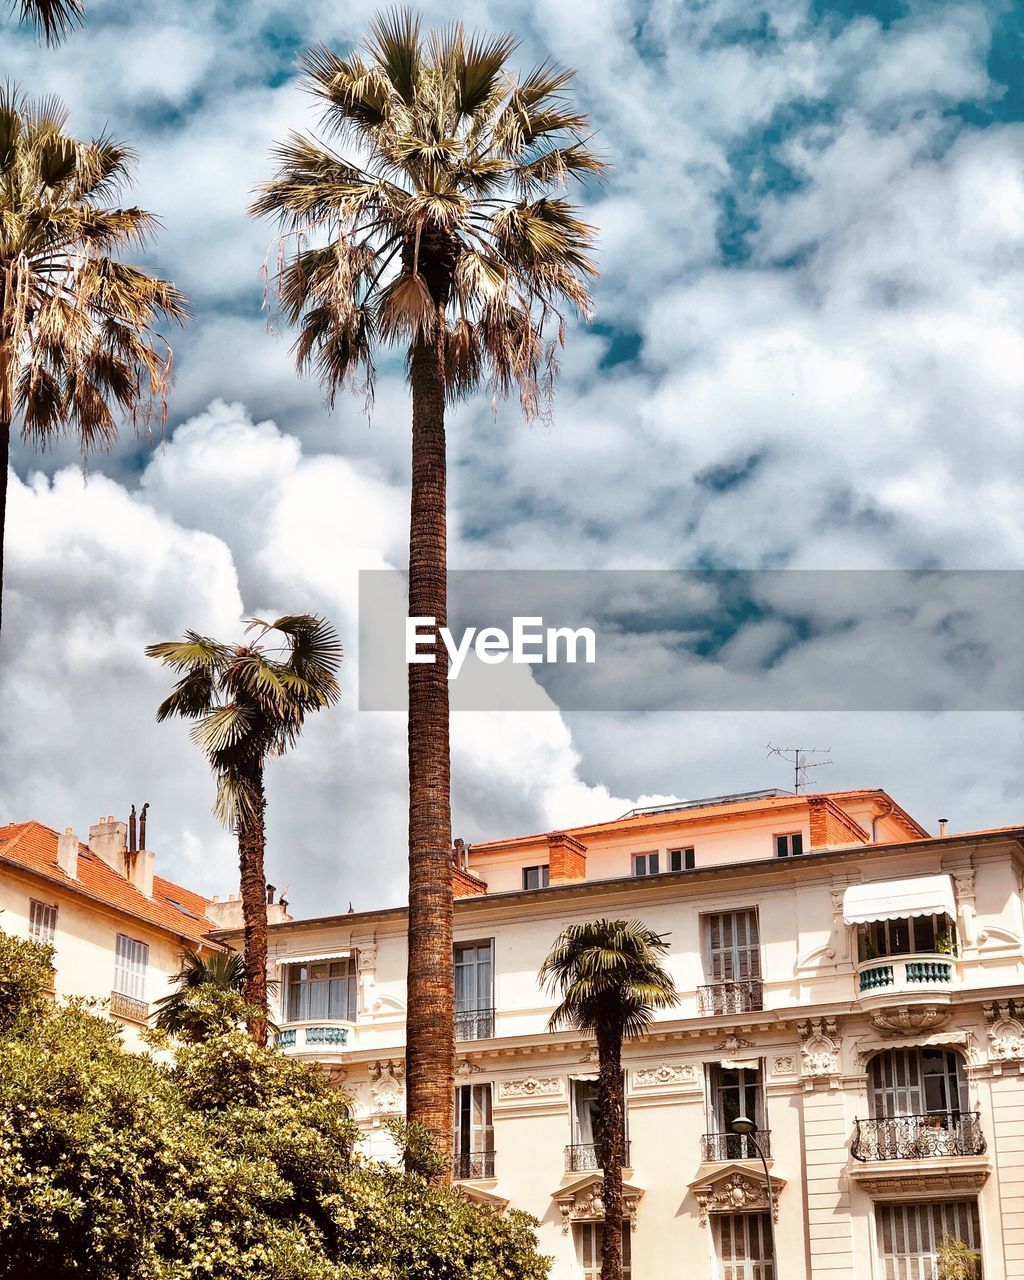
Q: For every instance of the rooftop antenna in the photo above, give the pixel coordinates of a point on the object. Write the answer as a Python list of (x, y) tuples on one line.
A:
[(797, 757)]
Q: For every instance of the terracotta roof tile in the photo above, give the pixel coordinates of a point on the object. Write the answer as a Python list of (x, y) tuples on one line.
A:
[(172, 908)]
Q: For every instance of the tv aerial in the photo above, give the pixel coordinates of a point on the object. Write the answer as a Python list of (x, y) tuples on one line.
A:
[(798, 757)]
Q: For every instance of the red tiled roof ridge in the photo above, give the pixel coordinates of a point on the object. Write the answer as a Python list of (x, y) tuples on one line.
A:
[(101, 883)]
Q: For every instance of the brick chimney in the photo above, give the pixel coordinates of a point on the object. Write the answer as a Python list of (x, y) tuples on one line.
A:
[(567, 859), (67, 853), (108, 841)]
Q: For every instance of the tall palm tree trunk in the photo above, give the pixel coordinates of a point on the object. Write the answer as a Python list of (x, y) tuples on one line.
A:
[(609, 1091), (430, 1023), (253, 883), (5, 454)]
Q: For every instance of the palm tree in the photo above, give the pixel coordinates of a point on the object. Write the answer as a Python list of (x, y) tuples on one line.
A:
[(53, 19), (249, 702), (78, 346), (611, 980), (436, 228), (221, 971)]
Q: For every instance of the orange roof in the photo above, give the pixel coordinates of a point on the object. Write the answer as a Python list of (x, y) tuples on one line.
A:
[(671, 817), (176, 910)]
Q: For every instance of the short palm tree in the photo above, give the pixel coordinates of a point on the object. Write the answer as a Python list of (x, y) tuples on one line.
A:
[(610, 978), (432, 220), (249, 703), (53, 19), (219, 971), (79, 347)]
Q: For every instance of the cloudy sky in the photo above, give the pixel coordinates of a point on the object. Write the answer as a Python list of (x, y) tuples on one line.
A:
[(808, 353)]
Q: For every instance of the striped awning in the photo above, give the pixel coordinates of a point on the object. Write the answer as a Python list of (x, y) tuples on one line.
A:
[(898, 899), (317, 959)]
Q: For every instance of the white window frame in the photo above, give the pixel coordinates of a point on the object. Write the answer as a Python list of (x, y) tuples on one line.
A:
[(543, 876), (131, 959), (474, 1120), (650, 861), (741, 1228), (786, 840), (589, 1241), (42, 921), (685, 858), (341, 990), (935, 1219), (731, 945)]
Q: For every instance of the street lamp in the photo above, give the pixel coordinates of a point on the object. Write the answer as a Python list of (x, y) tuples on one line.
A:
[(744, 1127)]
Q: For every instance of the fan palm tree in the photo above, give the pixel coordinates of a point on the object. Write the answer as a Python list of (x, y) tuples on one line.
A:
[(609, 976), (53, 19), (249, 703), (219, 971), (430, 220), (78, 344)]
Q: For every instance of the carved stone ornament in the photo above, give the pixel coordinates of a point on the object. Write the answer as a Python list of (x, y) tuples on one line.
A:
[(531, 1087), (387, 1087), (466, 1068), (651, 1077), (1005, 1034), (733, 1042), (583, 1202), (819, 1053), (736, 1193), (782, 1066), (912, 1019), (366, 957)]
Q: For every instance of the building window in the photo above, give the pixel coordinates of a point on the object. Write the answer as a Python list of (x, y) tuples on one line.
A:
[(908, 936), (536, 877), (909, 1235), (130, 960), (42, 921), (585, 1152), (789, 845), (474, 990), (589, 1242), (919, 1107), (474, 1132), (732, 963), (645, 864), (681, 860), (733, 1092), (321, 989), (744, 1242)]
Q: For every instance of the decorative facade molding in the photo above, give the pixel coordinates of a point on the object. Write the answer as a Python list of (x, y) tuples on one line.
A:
[(735, 1190), (1005, 1036), (911, 1019), (666, 1074), (387, 1087), (819, 1052), (784, 1065), (733, 1042), (582, 1201), (531, 1087), (464, 1067), (966, 1174)]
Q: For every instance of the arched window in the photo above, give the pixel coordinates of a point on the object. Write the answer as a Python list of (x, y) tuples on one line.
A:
[(929, 1081)]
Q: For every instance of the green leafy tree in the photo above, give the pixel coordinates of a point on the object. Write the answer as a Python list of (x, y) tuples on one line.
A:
[(26, 978), (188, 1012), (432, 219), (611, 981), (249, 703), (957, 1260), (80, 347), (228, 1162)]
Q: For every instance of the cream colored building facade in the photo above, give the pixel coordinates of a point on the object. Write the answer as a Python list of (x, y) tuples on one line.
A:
[(852, 983)]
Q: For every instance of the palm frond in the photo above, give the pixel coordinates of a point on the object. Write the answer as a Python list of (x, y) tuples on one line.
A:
[(53, 19)]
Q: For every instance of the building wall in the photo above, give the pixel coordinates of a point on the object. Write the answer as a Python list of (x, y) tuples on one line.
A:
[(85, 941)]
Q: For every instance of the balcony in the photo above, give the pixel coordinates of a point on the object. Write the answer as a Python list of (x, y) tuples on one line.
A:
[(313, 1037), (745, 995), (918, 1137), (586, 1157), (916, 978), (128, 1009), (470, 1165), (719, 1148), (474, 1024)]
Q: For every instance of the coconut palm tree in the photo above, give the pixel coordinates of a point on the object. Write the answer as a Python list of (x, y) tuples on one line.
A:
[(53, 19), (249, 703), (609, 976), (220, 971), (78, 345), (429, 218)]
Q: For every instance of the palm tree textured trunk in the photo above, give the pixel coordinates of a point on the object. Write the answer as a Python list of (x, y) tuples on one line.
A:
[(609, 1096), (5, 453), (253, 884), (430, 1024)]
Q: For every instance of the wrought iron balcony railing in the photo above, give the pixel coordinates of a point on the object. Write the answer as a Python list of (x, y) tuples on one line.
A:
[(474, 1024), (919, 1137), (735, 1146), (128, 1008), (744, 995), (585, 1157), (472, 1164)]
